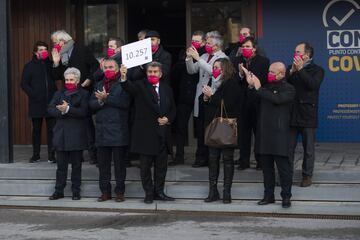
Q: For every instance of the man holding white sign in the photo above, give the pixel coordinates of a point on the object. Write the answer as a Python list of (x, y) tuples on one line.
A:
[(157, 52)]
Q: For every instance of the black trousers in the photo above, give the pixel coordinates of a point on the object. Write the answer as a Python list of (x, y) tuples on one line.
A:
[(63, 160), (202, 151), (308, 136), (160, 168), (105, 155), (284, 168), (91, 137), (247, 128), (214, 163), (36, 134), (183, 113)]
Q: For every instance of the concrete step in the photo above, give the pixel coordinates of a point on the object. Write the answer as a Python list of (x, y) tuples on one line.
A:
[(188, 190), (183, 173), (305, 208)]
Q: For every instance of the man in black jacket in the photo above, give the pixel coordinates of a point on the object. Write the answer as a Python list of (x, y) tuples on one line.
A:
[(66, 53), (151, 132), (159, 54), (39, 85), (186, 85), (257, 65), (306, 77), (273, 133), (110, 102)]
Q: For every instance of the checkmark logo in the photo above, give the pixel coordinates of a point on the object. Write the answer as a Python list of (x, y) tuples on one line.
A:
[(343, 20)]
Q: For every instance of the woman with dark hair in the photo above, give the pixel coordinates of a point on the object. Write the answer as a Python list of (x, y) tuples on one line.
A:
[(222, 87)]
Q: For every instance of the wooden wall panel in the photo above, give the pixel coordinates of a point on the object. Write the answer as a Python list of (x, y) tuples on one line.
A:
[(31, 20)]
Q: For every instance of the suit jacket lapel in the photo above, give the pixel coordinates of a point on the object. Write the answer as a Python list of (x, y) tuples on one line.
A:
[(150, 96)]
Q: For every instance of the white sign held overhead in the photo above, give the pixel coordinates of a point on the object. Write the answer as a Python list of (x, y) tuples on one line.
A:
[(137, 53)]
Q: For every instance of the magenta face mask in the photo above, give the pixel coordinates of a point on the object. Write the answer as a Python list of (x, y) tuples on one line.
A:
[(110, 52), (216, 72), (196, 45), (247, 52), (298, 55), (271, 77), (209, 49), (110, 74), (43, 55), (241, 38), (57, 47), (153, 79)]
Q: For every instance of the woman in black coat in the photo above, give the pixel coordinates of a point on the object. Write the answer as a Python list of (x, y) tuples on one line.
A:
[(70, 108), (110, 103), (223, 88), (39, 85)]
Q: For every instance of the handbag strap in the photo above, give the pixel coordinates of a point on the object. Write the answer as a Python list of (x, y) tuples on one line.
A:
[(223, 107)]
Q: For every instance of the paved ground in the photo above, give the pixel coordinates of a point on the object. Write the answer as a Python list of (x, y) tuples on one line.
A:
[(43, 225)]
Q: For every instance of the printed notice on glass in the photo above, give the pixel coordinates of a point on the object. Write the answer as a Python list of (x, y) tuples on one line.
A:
[(137, 53)]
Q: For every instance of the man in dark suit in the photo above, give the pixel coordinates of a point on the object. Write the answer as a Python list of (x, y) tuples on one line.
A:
[(151, 132), (306, 77), (273, 132), (66, 53), (39, 85), (257, 65)]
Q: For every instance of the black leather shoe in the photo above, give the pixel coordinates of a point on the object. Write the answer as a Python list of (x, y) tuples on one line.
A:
[(56, 196), (243, 166), (148, 199), (163, 197), (266, 200), (34, 159), (76, 196), (286, 203)]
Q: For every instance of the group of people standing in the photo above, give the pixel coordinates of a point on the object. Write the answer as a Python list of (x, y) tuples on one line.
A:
[(137, 109)]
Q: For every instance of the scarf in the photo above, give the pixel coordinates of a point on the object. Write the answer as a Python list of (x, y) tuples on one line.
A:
[(216, 82), (66, 51), (109, 82)]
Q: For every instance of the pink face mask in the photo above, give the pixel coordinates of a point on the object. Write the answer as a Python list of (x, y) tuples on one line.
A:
[(70, 86), (154, 48), (110, 52), (209, 49), (153, 79), (247, 52), (271, 77), (110, 74), (196, 45), (43, 55), (216, 72), (298, 55), (57, 47), (241, 38)]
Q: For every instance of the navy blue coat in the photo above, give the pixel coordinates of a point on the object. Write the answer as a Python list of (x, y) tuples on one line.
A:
[(39, 85), (70, 130), (112, 128)]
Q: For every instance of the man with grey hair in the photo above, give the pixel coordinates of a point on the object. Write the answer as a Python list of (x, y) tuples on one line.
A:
[(151, 130), (203, 66), (70, 108), (67, 53), (273, 134)]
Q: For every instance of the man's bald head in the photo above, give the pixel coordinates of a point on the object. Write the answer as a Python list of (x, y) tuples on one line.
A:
[(279, 69)]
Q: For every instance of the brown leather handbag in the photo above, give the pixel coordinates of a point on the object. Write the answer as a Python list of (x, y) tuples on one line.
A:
[(222, 131)]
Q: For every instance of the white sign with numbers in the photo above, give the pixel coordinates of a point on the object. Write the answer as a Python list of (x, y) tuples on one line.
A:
[(137, 53)]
